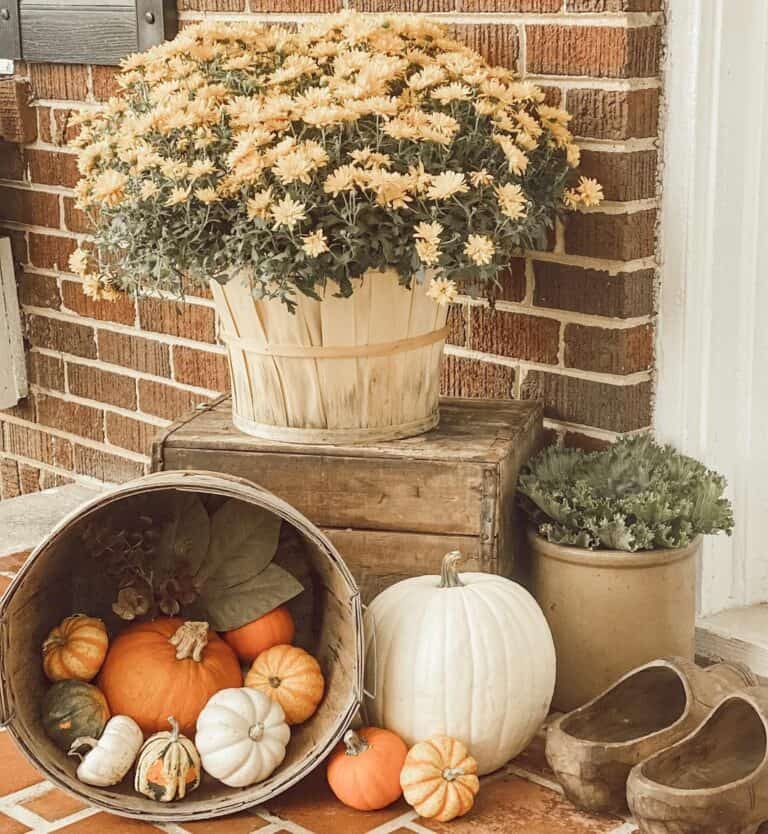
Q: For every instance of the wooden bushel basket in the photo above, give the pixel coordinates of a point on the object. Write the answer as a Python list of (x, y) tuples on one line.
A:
[(328, 624), (342, 370)]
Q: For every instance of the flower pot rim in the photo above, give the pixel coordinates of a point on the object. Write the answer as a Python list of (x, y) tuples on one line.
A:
[(610, 558)]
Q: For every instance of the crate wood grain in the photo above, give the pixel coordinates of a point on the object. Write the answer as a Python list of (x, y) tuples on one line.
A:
[(392, 509)]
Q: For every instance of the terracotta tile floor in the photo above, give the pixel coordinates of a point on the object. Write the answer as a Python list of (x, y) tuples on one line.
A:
[(520, 799)]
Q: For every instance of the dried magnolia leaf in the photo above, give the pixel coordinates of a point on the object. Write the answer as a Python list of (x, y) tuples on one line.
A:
[(230, 606), (185, 534)]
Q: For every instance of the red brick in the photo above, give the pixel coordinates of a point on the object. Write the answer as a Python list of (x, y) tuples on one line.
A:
[(462, 377), (190, 321), (511, 284), (536, 6), (52, 167), (122, 310), (614, 114), (578, 440), (135, 435), (144, 355), (49, 480), (619, 236), (609, 350), (71, 417), (11, 161), (614, 5), (563, 287), (9, 486), (602, 405), (104, 466), (301, 6), (596, 51), (165, 400), (100, 385), (64, 336), (104, 82), (50, 252), (45, 371), (75, 219), (54, 125), (513, 334), (59, 81), (496, 42), (33, 208), (457, 325), (39, 291), (213, 5), (398, 5), (29, 479), (189, 287), (624, 176), (24, 409), (201, 368), (32, 443)]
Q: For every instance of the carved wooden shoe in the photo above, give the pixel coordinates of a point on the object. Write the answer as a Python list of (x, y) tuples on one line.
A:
[(592, 749), (714, 780)]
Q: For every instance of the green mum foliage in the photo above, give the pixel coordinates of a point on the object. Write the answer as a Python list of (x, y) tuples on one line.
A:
[(635, 495)]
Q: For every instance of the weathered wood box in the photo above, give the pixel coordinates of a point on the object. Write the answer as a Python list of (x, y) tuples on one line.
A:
[(392, 509)]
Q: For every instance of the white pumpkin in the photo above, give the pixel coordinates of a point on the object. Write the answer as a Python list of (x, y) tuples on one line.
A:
[(111, 756), (469, 656), (241, 736)]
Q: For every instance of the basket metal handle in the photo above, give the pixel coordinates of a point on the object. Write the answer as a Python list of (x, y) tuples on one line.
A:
[(7, 711)]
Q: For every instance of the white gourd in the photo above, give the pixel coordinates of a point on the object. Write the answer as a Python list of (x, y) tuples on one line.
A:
[(469, 656), (111, 756), (241, 736)]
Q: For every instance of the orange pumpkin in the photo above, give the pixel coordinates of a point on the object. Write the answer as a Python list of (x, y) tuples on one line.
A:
[(250, 640), (290, 676), (167, 667), (364, 771), (75, 649)]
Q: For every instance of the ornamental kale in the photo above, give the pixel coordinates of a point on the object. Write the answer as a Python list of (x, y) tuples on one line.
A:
[(635, 495)]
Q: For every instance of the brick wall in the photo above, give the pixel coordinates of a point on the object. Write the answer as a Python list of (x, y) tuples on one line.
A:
[(572, 327)]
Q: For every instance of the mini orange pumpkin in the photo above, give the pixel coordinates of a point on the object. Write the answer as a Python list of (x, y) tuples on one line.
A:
[(75, 649), (273, 629), (290, 676), (167, 666), (364, 771), (439, 779)]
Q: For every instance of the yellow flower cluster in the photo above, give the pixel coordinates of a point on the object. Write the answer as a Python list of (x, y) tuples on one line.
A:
[(256, 127)]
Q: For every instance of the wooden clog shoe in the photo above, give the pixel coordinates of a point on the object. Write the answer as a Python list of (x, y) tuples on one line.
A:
[(713, 780), (592, 749)]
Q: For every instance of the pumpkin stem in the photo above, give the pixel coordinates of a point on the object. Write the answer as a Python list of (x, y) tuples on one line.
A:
[(451, 773), (355, 744), (449, 577), (76, 748), (256, 732), (275, 682), (190, 639), (175, 729)]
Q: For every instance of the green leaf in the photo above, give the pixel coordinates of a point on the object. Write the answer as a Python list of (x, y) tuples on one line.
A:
[(185, 534), (230, 606)]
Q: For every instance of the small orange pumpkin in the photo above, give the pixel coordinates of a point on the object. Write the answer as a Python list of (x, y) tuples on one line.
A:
[(75, 649), (273, 629), (290, 676), (364, 771), (167, 666), (439, 779)]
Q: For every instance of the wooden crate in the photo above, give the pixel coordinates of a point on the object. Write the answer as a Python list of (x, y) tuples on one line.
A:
[(392, 509)]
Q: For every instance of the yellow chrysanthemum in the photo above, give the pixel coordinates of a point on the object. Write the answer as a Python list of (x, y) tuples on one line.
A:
[(481, 177), (315, 243), (479, 249), (95, 287), (78, 262), (258, 205), (293, 167), (452, 92), (149, 189), (342, 179), (429, 232), (288, 212), (207, 195), (443, 290), (512, 201), (109, 187), (177, 195), (447, 184)]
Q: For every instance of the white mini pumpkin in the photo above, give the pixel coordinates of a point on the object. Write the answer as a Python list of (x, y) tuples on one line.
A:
[(109, 758), (241, 736), (470, 657)]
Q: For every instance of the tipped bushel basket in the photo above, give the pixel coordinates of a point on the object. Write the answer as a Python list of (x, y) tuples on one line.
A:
[(340, 370), (328, 624)]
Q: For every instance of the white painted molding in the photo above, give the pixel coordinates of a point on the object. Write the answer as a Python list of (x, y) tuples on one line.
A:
[(712, 348), (13, 371)]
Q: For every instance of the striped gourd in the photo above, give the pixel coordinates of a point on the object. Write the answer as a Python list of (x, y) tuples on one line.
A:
[(168, 766), (75, 649)]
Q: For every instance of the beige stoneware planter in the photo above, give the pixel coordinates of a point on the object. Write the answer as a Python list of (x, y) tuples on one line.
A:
[(610, 611), (341, 370)]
